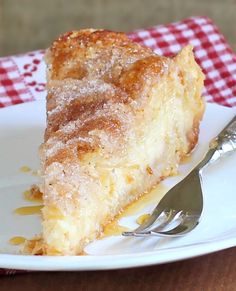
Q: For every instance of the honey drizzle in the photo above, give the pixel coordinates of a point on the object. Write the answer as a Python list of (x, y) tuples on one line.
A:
[(113, 229), (142, 218), (25, 169), (152, 197), (28, 210), (17, 240), (186, 160)]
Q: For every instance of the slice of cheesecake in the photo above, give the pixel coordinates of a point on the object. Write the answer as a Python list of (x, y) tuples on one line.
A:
[(119, 120)]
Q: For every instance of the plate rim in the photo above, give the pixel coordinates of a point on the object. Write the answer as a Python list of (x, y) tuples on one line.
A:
[(110, 262)]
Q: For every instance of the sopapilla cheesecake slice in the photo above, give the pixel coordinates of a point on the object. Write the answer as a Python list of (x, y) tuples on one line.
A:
[(119, 119)]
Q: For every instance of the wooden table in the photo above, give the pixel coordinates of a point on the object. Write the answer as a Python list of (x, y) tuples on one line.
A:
[(214, 272)]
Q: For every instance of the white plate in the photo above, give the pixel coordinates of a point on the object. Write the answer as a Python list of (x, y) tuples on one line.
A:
[(21, 132)]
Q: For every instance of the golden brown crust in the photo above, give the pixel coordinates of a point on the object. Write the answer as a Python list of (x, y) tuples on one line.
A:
[(122, 70), (90, 51)]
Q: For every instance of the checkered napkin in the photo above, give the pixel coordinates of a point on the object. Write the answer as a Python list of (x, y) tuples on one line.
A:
[(22, 77)]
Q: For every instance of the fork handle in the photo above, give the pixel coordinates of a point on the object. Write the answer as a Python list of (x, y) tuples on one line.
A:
[(222, 145)]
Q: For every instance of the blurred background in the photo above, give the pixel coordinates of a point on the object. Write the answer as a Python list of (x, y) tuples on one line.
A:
[(29, 24)]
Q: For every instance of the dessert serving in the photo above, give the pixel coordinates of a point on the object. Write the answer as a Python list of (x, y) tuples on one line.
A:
[(119, 120)]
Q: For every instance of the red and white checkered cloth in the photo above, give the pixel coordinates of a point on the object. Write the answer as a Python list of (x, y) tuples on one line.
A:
[(22, 77)]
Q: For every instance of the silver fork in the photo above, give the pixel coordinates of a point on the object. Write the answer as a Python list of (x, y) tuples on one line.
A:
[(179, 211)]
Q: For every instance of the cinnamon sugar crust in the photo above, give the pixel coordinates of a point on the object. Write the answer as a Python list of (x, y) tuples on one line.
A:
[(117, 74)]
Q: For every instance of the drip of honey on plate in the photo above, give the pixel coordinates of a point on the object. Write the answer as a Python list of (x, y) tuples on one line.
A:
[(28, 210), (32, 195), (17, 240), (150, 198), (142, 218), (114, 229), (25, 169), (186, 160)]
